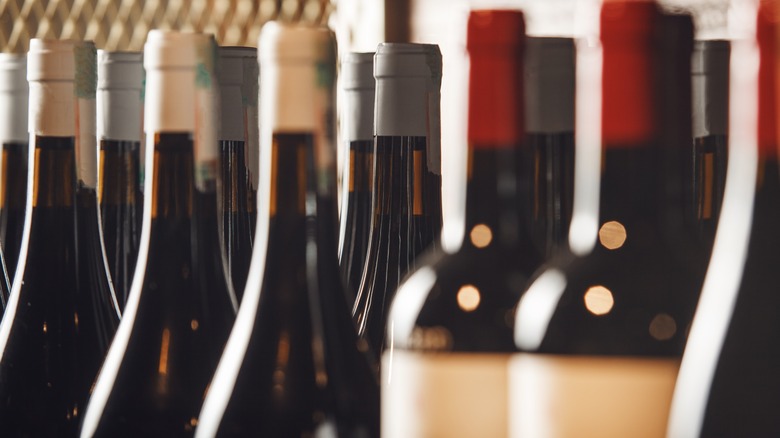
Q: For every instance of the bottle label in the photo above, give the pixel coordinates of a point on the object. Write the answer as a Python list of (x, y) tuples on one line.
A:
[(444, 394), (564, 396)]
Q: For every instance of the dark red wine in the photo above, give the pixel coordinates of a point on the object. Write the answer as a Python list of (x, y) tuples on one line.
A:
[(358, 122), (236, 193), (406, 189), (181, 306), (728, 383), (61, 314), (120, 82), (452, 317), (612, 323), (292, 365), (13, 141)]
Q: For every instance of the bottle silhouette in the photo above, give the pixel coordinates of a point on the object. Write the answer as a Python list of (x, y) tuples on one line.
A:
[(236, 193), (450, 327), (61, 313), (406, 190), (181, 305), (358, 122), (609, 325), (728, 383), (13, 140), (292, 365), (120, 111)]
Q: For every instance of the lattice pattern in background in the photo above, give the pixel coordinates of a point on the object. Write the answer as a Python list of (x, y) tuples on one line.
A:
[(123, 24)]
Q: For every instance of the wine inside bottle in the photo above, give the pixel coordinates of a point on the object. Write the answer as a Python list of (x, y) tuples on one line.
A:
[(609, 326), (180, 308), (13, 141), (292, 365), (120, 83), (406, 189), (52, 338), (236, 195), (358, 122)]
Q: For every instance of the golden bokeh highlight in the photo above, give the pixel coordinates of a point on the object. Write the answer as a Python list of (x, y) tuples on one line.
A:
[(612, 235), (469, 298), (481, 235), (599, 300)]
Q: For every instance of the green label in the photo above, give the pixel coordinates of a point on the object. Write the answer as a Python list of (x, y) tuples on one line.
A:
[(86, 70)]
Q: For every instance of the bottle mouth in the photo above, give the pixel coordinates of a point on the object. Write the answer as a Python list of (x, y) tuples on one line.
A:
[(357, 71), (495, 28), (284, 42), (51, 60), (410, 60)]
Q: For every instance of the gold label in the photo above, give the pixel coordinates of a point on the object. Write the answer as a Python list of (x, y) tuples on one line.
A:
[(553, 396), (447, 395)]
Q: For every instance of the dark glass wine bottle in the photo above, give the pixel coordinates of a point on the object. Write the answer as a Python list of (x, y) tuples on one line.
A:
[(710, 81), (60, 316), (450, 325), (728, 383), (358, 121), (549, 90), (406, 189), (292, 365), (236, 195), (181, 305), (601, 335), (120, 110), (13, 163)]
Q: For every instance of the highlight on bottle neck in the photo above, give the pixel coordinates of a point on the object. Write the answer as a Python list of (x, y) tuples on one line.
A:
[(495, 41), (297, 89), (234, 101), (408, 94), (767, 28), (710, 87), (549, 84), (627, 32), (119, 92), (357, 81), (13, 98)]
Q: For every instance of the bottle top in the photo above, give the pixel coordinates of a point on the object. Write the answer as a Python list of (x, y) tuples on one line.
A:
[(120, 70), (627, 36), (549, 84), (86, 69), (231, 64), (51, 60), (13, 72), (293, 42), (408, 60), (357, 71), (710, 71), (495, 42), (767, 32), (169, 49), (488, 29)]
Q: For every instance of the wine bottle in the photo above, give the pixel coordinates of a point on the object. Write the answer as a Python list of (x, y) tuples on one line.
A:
[(292, 365), (58, 322), (180, 308), (450, 328), (728, 383), (14, 140), (609, 325), (710, 80), (358, 121), (120, 110), (236, 179), (406, 189), (549, 85)]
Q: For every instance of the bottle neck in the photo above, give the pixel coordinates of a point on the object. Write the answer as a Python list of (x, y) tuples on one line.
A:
[(54, 172), (119, 170), (495, 197), (173, 182)]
